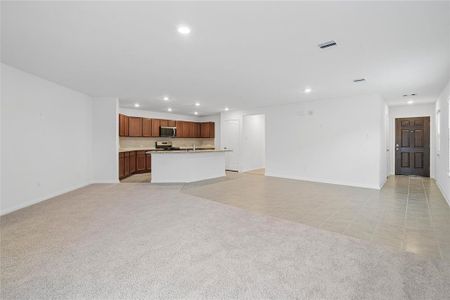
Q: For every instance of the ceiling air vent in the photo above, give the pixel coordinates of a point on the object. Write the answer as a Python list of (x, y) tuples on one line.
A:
[(359, 80), (327, 44)]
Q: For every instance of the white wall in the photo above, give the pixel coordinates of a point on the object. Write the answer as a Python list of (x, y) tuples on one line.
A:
[(442, 161), (405, 111), (105, 141), (336, 141), (46, 139), (253, 142)]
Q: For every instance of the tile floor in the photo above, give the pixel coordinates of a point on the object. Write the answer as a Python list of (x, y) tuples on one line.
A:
[(409, 213)]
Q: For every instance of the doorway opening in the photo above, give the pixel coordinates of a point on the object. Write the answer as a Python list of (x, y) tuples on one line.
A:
[(412, 146)]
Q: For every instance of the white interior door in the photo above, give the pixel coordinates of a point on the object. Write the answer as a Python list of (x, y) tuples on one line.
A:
[(230, 140)]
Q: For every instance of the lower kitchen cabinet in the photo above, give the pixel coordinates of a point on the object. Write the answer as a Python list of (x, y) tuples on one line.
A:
[(140, 161), (133, 162), (148, 162)]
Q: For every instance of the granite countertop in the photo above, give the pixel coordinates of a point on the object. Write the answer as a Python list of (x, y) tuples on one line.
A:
[(182, 149), (188, 151)]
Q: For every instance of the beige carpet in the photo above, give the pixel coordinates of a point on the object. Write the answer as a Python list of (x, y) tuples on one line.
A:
[(141, 241)]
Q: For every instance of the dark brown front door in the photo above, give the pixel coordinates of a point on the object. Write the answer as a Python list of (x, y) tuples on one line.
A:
[(412, 146)]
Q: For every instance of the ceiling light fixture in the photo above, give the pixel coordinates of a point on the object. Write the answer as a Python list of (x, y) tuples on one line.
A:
[(184, 30), (195, 113), (227, 109), (410, 102), (169, 109), (197, 104), (166, 98), (137, 105), (308, 90)]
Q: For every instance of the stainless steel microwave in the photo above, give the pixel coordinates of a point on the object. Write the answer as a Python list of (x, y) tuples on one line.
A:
[(168, 131)]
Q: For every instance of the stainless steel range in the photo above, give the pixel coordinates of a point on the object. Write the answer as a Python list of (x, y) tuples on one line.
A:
[(165, 145)]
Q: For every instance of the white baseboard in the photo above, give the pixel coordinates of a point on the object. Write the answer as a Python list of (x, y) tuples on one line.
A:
[(446, 197), (352, 184)]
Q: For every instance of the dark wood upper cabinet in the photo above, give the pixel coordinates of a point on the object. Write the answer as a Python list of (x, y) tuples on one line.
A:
[(204, 130), (146, 127), (123, 125), (180, 128), (155, 127), (196, 130), (187, 129), (211, 129), (134, 126)]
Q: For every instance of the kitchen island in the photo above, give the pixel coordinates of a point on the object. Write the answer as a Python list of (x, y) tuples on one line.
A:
[(182, 166)]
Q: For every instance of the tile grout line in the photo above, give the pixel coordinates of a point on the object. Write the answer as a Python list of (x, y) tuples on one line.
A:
[(431, 220), (406, 214)]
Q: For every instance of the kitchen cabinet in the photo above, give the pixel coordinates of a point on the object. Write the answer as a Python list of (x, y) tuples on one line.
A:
[(134, 126), (212, 129), (121, 165), (127, 164), (140, 161), (146, 127), (204, 130), (180, 128), (123, 125), (195, 130), (207, 130), (187, 129), (148, 162), (132, 162), (155, 127)]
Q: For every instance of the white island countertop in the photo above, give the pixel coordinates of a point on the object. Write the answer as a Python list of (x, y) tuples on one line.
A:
[(184, 166), (186, 151)]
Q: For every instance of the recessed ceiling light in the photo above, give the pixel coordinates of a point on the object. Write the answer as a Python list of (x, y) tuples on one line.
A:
[(227, 109), (166, 98), (195, 113), (183, 29), (410, 102), (197, 104), (169, 109), (308, 90), (137, 105)]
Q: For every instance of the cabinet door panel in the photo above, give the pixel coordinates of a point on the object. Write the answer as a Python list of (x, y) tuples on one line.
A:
[(186, 129), (171, 123), (211, 129), (127, 164), (164, 123), (134, 126), (132, 162), (140, 161), (180, 128), (121, 165), (155, 127), (146, 127), (148, 162), (123, 125), (204, 130)]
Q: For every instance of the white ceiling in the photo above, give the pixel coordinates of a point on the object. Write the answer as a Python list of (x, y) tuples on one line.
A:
[(239, 54)]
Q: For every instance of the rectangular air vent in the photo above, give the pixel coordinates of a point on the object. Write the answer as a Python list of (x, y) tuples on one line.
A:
[(359, 80), (327, 44)]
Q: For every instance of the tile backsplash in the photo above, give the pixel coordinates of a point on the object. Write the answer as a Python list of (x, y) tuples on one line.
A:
[(149, 143)]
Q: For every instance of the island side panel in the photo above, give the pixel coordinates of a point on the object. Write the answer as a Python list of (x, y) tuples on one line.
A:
[(184, 167)]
